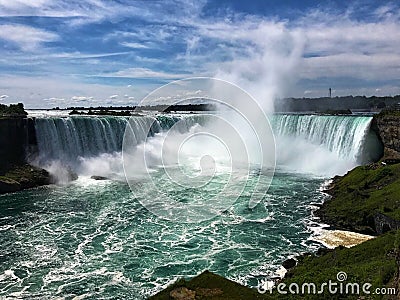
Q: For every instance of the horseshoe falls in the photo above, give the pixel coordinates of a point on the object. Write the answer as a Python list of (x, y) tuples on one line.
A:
[(324, 145), (94, 239)]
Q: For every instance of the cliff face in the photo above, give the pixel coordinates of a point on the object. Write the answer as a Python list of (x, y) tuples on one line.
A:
[(17, 136), (17, 142), (387, 126)]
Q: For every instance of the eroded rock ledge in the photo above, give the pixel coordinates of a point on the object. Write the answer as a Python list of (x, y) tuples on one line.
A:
[(23, 177), (387, 126)]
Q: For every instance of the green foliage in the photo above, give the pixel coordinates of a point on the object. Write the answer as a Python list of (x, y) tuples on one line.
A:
[(370, 262), (388, 112), (360, 194), (12, 110), (208, 280)]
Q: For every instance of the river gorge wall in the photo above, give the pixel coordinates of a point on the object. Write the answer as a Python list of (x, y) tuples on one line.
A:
[(387, 127), (17, 141)]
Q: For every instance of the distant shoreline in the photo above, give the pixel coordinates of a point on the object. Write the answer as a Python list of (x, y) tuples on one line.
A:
[(371, 104)]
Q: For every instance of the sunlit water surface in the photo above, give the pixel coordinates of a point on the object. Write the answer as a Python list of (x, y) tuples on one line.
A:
[(95, 240)]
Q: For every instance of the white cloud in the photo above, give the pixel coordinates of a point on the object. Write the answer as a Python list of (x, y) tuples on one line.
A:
[(54, 99), (113, 97), (144, 73), (360, 66), (23, 4), (266, 56), (134, 45), (33, 90), (79, 55), (89, 9), (192, 43), (26, 37), (81, 98), (4, 96)]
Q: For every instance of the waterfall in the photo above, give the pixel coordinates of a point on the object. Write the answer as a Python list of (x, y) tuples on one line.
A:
[(67, 139), (309, 143), (343, 135), (324, 144)]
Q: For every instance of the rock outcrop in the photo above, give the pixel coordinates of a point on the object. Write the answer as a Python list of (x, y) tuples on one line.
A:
[(23, 177), (383, 223), (387, 126)]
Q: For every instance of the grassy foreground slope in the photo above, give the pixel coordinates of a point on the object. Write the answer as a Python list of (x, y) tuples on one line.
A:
[(360, 195), (210, 286), (375, 261)]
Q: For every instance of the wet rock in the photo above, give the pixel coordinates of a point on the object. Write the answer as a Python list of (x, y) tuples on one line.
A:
[(386, 126), (95, 177), (23, 177), (9, 186), (289, 263)]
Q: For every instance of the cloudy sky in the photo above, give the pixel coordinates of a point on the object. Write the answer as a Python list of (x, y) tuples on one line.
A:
[(102, 52)]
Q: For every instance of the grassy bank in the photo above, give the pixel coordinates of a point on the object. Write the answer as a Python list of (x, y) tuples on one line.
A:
[(375, 261), (360, 195)]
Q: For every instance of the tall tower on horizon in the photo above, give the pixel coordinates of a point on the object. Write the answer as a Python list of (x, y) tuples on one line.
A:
[(330, 93)]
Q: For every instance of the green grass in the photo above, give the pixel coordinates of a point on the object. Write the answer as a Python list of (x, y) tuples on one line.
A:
[(360, 194), (373, 261), (230, 290)]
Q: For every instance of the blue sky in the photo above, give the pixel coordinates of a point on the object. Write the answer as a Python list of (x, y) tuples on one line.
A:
[(102, 52)]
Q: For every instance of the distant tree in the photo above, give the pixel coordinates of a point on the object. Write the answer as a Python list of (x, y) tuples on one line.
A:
[(381, 105), (12, 110)]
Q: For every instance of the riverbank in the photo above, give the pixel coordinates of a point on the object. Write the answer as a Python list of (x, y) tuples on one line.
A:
[(365, 200)]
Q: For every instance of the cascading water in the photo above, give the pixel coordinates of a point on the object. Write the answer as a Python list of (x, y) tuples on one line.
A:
[(325, 145), (342, 135), (69, 138), (92, 145)]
